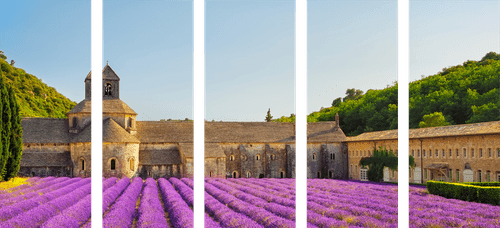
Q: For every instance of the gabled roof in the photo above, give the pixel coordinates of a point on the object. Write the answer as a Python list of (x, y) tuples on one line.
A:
[(430, 132), (324, 132), (45, 130), (115, 106), (164, 131), (107, 74), (43, 159), (249, 132), (111, 132)]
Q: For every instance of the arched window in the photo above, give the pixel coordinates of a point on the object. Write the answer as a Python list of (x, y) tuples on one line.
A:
[(332, 156), (113, 164), (282, 174), (231, 158), (480, 152), (107, 89), (330, 174), (75, 122), (472, 153), (235, 174), (314, 157), (319, 174), (132, 161), (272, 156), (210, 173), (257, 157), (249, 174), (83, 164)]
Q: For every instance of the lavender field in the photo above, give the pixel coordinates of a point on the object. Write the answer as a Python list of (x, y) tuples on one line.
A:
[(65, 202)]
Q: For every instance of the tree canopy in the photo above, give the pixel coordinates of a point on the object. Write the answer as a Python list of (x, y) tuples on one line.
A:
[(467, 93), (35, 98), (435, 119), (381, 158)]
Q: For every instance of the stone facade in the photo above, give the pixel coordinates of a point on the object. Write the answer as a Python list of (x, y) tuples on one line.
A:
[(62, 147), (458, 153)]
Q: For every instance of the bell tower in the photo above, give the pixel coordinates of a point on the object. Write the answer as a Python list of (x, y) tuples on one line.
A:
[(110, 84)]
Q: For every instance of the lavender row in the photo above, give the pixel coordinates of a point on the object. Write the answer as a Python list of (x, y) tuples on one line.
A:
[(122, 213), (284, 211), (266, 194), (46, 195), (180, 214), (111, 194), (227, 217), (27, 188), (184, 196), (151, 213), (34, 191), (78, 214), (258, 214), (62, 199)]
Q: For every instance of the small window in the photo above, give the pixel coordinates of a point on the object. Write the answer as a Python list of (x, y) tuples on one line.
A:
[(450, 153), (210, 173), (75, 122), (418, 153), (235, 174), (282, 174), (413, 153), (458, 175), (314, 157), (113, 164), (444, 155), (249, 174), (489, 152), (319, 174), (231, 158), (458, 155), (480, 152), (130, 122), (465, 152), (423, 153), (132, 161), (83, 164), (332, 156), (437, 153), (364, 153), (479, 176), (257, 157), (272, 157), (107, 89), (330, 174), (472, 153)]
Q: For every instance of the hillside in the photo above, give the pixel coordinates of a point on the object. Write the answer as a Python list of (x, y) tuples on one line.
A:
[(466, 93), (36, 99)]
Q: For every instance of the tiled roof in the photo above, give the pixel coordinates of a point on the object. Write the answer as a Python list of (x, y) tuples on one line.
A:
[(108, 106), (429, 132), (212, 150), (43, 159), (107, 73), (160, 157), (45, 130), (111, 132), (235, 132)]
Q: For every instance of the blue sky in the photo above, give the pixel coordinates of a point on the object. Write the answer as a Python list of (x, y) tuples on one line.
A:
[(249, 49)]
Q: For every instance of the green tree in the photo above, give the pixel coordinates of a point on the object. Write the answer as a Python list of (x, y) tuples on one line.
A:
[(484, 113), (435, 119), (353, 94), (412, 161), (16, 138), (269, 118), (2, 56), (337, 101), (5, 127), (381, 158)]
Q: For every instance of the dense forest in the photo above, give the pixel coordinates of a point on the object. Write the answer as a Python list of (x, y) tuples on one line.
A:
[(35, 98), (467, 93)]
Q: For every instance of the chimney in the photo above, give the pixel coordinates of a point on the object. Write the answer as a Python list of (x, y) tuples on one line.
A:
[(12, 62), (337, 120)]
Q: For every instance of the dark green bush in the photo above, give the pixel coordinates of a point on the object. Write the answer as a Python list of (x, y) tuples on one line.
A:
[(473, 192)]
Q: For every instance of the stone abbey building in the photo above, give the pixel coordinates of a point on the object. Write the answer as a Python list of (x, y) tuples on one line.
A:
[(61, 147)]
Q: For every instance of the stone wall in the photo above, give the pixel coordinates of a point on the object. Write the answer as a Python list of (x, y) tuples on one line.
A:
[(123, 154), (215, 167), (420, 148), (160, 171), (45, 147), (79, 152), (45, 171)]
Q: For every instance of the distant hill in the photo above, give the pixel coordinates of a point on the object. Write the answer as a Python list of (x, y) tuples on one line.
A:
[(466, 93), (35, 98)]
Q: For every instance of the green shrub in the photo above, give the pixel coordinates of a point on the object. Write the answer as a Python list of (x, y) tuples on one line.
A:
[(473, 192)]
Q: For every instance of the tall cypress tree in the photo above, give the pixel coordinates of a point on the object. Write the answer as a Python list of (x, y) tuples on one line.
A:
[(16, 139), (5, 127), (2, 159)]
